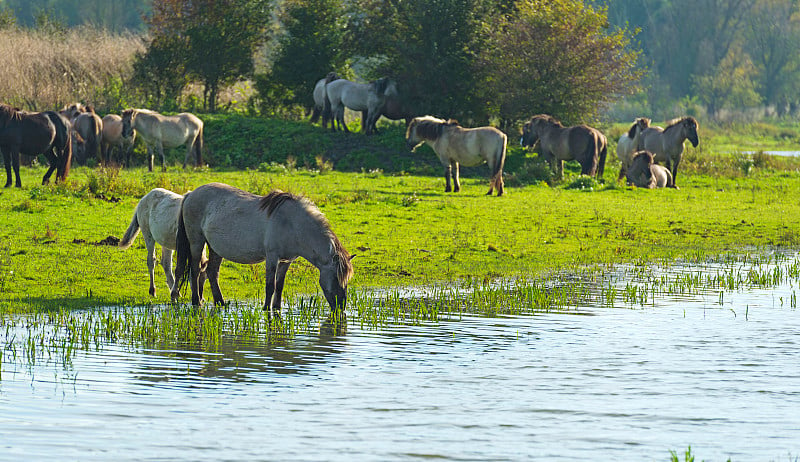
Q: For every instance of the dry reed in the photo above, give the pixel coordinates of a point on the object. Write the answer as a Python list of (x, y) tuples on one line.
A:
[(44, 71)]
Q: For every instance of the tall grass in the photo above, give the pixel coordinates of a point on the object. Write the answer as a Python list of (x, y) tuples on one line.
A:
[(46, 70)]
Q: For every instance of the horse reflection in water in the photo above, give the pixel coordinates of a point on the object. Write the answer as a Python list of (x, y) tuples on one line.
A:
[(248, 229)]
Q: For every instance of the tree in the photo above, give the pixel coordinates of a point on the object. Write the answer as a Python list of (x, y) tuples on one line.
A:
[(428, 47), (730, 85), (220, 38), (773, 40), (310, 47), (557, 57)]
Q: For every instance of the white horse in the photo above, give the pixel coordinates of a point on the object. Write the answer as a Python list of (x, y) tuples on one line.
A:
[(112, 138), (666, 144), (156, 215), (248, 229), (625, 146), (457, 145), (319, 100), (160, 131), (369, 97)]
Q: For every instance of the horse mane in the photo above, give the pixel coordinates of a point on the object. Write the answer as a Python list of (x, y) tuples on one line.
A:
[(380, 85), (272, 201), (331, 77), (275, 199), (7, 113), (644, 121), (641, 155), (679, 120), (547, 118), (427, 127)]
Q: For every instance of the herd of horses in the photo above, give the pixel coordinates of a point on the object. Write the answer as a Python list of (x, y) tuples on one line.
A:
[(280, 227), (76, 131)]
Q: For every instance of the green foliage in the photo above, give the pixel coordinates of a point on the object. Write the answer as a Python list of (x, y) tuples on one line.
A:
[(559, 58), (211, 40), (310, 46), (160, 71), (428, 48)]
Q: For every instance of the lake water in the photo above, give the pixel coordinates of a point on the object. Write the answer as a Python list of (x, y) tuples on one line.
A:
[(623, 383)]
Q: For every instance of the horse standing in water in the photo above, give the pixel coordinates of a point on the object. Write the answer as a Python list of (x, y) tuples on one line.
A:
[(559, 143), (160, 131), (666, 144), (248, 229), (156, 215), (34, 133), (626, 147), (457, 145)]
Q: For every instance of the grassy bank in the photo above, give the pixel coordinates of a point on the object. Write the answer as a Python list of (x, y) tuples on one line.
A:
[(403, 228)]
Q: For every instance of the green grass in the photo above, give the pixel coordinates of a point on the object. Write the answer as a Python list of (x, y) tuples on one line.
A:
[(392, 213)]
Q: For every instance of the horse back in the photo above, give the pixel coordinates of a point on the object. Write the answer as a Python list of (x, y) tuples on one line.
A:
[(229, 220), (157, 213), (31, 133)]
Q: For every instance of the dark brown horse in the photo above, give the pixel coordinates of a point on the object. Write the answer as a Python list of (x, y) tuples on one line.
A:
[(559, 143), (34, 133)]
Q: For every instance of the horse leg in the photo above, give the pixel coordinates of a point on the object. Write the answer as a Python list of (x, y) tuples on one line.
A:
[(7, 162), (166, 264), (447, 171), (188, 154), (342, 125), (674, 171), (163, 159), (276, 276), (212, 274), (456, 178), (51, 159), (150, 243), (560, 169), (150, 158)]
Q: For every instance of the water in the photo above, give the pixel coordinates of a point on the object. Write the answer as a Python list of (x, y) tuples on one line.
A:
[(623, 383)]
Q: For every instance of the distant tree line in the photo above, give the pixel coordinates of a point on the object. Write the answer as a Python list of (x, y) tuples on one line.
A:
[(113, 15), (725, 54)]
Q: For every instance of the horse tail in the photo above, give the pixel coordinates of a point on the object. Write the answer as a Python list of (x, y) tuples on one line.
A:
[(315, 113), (131, 232), (183, 250), (500, 160), (601, 164), (66, 152), (197, 146)]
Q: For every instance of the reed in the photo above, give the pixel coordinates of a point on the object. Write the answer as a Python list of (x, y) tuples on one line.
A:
[(46, 70)]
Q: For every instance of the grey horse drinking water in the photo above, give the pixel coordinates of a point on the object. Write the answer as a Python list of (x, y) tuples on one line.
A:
[(248, 229)]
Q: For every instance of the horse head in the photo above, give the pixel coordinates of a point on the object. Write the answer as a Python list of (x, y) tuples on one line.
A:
[(128, 120), (529, 135), (639, 173), (638, 125), (423, 129), (689, 126)]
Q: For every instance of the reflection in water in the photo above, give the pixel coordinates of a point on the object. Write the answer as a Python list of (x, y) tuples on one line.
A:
[(235, 359), (707, 359)]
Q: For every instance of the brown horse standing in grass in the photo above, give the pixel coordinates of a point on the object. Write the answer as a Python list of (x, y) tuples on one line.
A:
[(559, 143), (34, 133)]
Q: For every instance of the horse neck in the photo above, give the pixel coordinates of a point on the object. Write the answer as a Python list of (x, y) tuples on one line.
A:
[(673, 137)]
